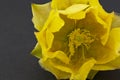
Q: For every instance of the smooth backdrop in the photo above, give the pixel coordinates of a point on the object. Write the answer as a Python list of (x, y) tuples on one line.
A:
[(17, 40)]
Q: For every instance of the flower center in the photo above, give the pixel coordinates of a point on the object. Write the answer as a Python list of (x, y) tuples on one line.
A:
[(79, 37)]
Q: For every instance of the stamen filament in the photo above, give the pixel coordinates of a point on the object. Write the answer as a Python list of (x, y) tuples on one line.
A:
[(83, 52)]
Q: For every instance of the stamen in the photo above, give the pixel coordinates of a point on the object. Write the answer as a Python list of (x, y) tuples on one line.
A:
[(83, 52), (79, 37)]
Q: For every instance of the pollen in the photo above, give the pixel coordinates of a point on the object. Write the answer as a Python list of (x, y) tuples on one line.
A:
[(79, 38)]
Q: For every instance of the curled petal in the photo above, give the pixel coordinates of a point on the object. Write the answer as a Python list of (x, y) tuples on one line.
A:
[(50, 66), (114, 40), (101, 54), (108, 21), (63, 4), (41, 38), (116, 21), (55, 23), (40, 14), (60, 4), (74, 9), (112, 65), (84, 70), (62, 68), (37, 52), (59, 55), (114, 44), (49, 39), (92, 74), (77, 16), (97, 26), (60, 37)]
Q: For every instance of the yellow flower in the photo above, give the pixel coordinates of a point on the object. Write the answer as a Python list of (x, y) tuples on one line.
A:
[(76, 38)]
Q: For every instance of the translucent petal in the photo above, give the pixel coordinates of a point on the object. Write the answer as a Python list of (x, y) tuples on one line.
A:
[(101, 12), (108, 21), (62, 67), (92, 74), (112, 65), (78, 15), (59, 55), (79, 1), (103, 16), (114, 40), (49, 39), (61, 37), (104, 54), (116, 21), (49, 66), (74, 9), (60, 4), (37, 52), (40, 14), (94, 3), (55, 22), (114, 44), (84, 70), (41, 38), (97, 26)]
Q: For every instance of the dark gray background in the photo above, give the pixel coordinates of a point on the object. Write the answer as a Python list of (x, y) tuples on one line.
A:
[(17, 40)]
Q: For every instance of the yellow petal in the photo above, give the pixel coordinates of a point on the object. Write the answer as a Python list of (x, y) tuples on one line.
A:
[(41, 38), (55, 23), (116, 21), (97, 26), (60, 4), (37, 52), (63, 4), (74, 9), (60, 37), (62, 56), (40, 14), (114, 64), (77, 16), (114, 40), (49, 66), (94, 3), (49, 39), (62, 67), (104, 54), (79, 1), (108, 21), (59, 55), (84, 70), (105, 24), (92, 74)]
